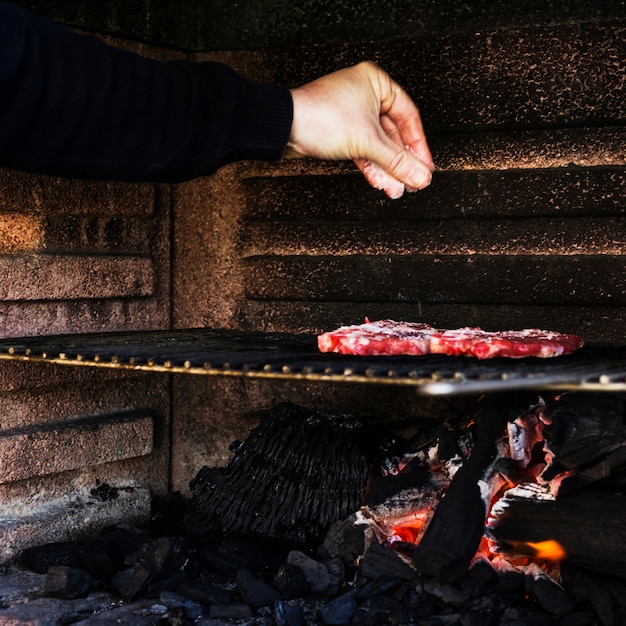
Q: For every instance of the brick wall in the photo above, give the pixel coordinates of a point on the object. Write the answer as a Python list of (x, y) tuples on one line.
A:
[(80, 256)]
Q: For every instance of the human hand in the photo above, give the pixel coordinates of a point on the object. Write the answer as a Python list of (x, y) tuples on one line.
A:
[(360, 113)]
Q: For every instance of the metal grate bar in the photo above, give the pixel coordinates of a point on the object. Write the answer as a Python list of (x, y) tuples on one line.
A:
[(292, 356)]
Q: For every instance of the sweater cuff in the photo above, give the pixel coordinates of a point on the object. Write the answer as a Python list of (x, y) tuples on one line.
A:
[(264, 123)]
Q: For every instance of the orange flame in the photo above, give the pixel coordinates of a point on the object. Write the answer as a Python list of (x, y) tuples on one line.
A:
[(549, 550)]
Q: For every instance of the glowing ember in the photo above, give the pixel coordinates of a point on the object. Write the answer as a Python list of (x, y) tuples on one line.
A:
[(524, 469), (409, 533)]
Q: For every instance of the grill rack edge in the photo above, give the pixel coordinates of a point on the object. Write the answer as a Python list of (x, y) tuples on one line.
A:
[(290, 356)]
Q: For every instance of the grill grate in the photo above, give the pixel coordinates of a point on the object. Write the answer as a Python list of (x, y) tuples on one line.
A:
[(292, 356)]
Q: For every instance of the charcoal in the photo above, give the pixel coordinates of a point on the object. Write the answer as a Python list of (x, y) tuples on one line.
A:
[(98, 563), (585, 439), (380, 609), (447, 593), (69, 618), (487, 609), (521, 616), (230, 555), (295, 474), (575, 581), (165, 581), (456, 529), (473, 618), (345, 540), (582, 618), (382, 487), (179, 554), (510, 581), (405, 549), (336, 569), (40, 558), (382, 561), (490, 604), (291, 582), (174, 617), (321, 580), (238, 611), (131, 581), (380, 585), (422, 604), (168, 515), (604, 605), (449, 619), (191, 610), (550, 595), (479, 579), (618, 591), (341, 610), (288, 614), (67, 582), (205, 593), (207, 480), (145, 563), (122, 540), (254, 591), (152, 555)]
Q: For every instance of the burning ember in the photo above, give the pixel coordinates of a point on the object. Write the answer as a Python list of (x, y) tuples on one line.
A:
[(498, 488), (327, 519), (508, 494)]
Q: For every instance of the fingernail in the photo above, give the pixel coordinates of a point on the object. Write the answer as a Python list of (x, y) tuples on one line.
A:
[(421, 181)]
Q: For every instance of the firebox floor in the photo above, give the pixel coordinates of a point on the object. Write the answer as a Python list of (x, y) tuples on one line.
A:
[(23, 602), (211, 352)]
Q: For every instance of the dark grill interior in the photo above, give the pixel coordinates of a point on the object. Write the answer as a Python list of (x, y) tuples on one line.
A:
[(522, 227)]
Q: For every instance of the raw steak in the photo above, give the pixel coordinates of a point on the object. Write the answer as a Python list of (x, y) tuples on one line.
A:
[(384, 337), (388, 337), (512, 343)]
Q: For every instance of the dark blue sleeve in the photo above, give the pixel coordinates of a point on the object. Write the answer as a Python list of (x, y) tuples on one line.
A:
[(72, 106)]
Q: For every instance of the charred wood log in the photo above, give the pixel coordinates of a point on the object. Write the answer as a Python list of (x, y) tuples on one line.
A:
[(457, 526), (589, 526), (584, 440), (297, 473)]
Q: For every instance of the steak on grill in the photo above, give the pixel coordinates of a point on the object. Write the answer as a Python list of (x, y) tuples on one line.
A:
[(388, 337), (384, 337), (511, 343)]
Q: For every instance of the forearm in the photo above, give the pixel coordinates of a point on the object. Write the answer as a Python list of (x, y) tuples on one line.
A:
[(72, 106)]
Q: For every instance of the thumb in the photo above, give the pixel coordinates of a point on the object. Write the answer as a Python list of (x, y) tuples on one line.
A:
[(393, 168)]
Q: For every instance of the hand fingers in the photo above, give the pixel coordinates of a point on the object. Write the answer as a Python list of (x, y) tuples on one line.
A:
[(418, 148), (379, 179), (402, 163), (399, 111), (402, 149), (392, 179)]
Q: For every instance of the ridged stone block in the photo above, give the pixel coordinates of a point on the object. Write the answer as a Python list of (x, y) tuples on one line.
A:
[(42, 277), (55, 448), (65, 518)]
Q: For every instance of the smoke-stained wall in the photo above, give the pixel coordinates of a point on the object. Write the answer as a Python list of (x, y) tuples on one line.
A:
[(225, 25)]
